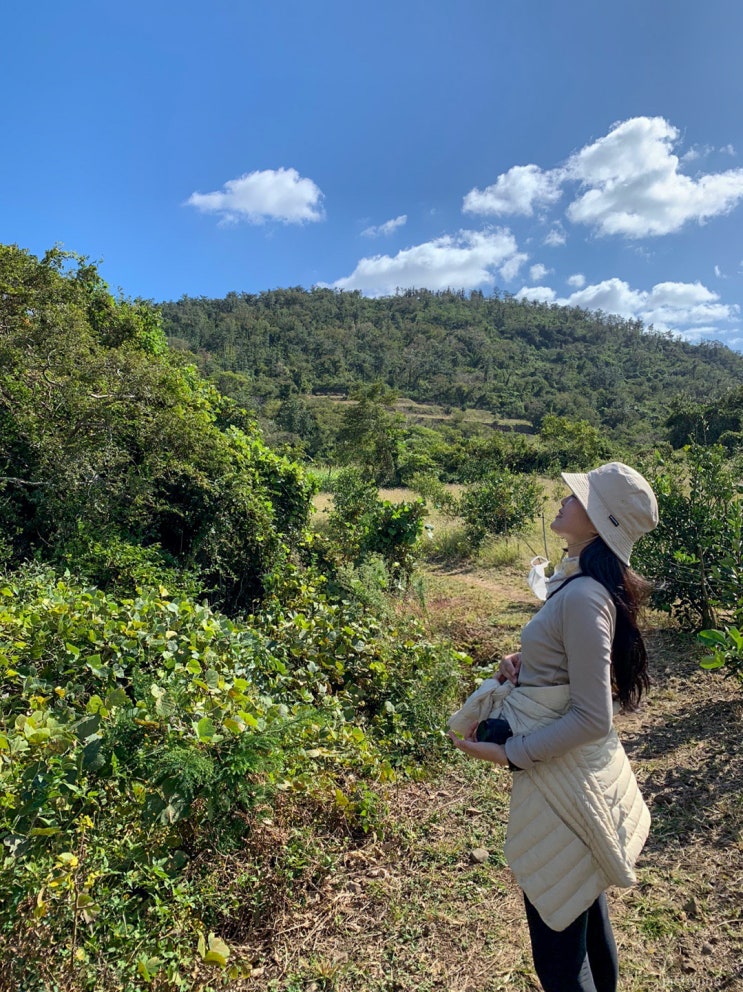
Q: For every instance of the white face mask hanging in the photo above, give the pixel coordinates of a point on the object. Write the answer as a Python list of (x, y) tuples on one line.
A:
[(537, 578)]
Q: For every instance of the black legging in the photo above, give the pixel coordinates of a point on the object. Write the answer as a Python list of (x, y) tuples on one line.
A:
[(581, 958)]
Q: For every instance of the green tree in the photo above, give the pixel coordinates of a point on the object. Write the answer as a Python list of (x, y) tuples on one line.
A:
[(573, 444), (296, 418), (104, 435), (371, 434), (707, 423), (363, 526), (695, 557), (500, 505)]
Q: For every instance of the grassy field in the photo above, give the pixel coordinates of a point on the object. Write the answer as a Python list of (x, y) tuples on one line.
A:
[(410, 908), (432, 413)]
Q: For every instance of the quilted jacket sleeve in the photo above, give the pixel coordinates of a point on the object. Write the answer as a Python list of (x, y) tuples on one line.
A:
[(586, 617)]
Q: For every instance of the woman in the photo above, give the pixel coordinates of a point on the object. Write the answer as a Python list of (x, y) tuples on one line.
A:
[(577, 820)]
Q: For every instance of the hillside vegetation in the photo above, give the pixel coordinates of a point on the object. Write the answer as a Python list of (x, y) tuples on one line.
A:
[(516, 359), (213, 705), (178, 654)]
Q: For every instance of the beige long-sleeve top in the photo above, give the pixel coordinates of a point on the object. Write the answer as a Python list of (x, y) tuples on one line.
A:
[(568, 642)]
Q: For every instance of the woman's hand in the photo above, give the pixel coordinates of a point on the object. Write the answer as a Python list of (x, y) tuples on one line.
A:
[(509, 668), (484, 750)]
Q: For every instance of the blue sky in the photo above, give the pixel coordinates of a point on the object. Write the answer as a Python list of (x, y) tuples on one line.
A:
[(575, 151)]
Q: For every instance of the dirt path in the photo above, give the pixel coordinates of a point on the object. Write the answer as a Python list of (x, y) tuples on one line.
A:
[(413, 909)]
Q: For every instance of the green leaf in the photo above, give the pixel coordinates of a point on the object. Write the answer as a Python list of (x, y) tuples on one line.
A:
[(36, 735), (711, 637), (93, 760), (174, 811), (117, 697), (218, 952), (205, 728), (712, 662), (87, 726)]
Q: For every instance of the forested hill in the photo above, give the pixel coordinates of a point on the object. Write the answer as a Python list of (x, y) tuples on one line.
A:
[(516, 358)]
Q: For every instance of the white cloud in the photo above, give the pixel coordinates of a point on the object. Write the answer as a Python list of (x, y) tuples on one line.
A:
[(695, 333), (673, 303), (555, 238), (511, 267), (682, 307), (611, 296), (690, 310), (517, 191), (681, 294), (389, 227), (467, 260), (538, 272), (577, 281), (542, 294), (634, 187), (697, 152), (671, 318), (718, 272), (272, 194), (628, 183), (698, 334)]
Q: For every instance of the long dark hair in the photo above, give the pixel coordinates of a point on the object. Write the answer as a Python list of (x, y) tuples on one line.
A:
[(629, 591)]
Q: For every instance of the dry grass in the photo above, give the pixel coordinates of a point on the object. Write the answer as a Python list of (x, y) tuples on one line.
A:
[(410, 909), (528, 543), (431, 413)]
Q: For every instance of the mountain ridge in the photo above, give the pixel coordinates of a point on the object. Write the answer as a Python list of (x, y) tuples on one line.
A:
[(517, 359)]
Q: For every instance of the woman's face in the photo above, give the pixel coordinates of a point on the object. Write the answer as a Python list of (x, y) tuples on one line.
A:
[(573, 523)]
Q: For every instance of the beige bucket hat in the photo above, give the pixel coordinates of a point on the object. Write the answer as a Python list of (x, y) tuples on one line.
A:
[(619, 502)]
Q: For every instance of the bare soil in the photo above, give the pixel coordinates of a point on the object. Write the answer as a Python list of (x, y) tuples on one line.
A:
[(413, 909)]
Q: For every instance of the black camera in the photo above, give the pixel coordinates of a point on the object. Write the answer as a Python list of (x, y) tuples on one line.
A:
[(495, 731)]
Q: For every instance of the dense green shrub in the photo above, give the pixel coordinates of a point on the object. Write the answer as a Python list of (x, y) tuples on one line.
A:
[(707, 423), (573, 445), (105, 439), (362, 526), (143, 740), (471, 458), (146, 738), (725, 645), (695, 555), (725, 651), (435, 494), (500, 505)]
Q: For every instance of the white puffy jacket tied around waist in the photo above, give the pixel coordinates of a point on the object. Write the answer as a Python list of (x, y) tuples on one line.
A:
[(578, 822)]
